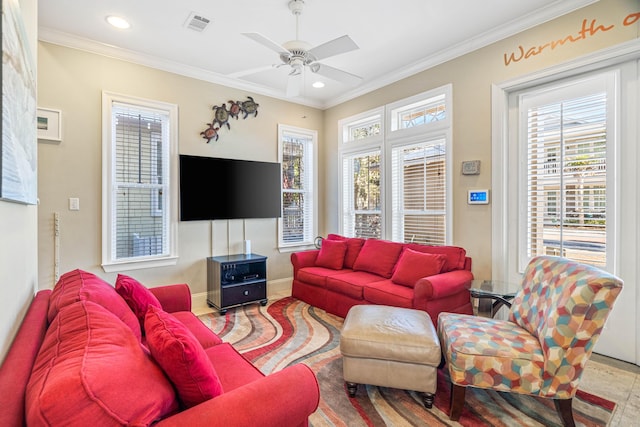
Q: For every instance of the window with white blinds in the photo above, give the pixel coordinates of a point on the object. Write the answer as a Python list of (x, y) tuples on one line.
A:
[(362, 208), (566, 172), (297, 147), (395, 181), (418, 174), (138, 181)]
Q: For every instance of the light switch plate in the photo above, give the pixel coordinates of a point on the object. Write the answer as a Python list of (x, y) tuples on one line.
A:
[(74, 204)]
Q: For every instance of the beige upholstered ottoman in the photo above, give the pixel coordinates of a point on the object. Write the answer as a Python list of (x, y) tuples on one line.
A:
[(390, 347)]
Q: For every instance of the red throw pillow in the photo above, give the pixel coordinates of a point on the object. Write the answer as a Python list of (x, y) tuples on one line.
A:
[(354, 244), (138, 297), (413, 266), (378, 257), (455, 256), (182, 358), (332, 254)]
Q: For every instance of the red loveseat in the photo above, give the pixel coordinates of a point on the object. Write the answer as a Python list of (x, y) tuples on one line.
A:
[(349, 271), (81, 358)]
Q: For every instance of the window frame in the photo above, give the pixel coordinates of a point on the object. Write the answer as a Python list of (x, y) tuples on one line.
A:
[(390, 138), (312, 182), (346, 162), (560, 92), (109, 262), (347, 124), (435, 138)]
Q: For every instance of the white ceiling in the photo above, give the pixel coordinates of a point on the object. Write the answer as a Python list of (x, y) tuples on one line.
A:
[(395, 38)]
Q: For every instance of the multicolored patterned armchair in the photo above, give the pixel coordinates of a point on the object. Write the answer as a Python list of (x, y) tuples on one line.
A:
[(553, 324)]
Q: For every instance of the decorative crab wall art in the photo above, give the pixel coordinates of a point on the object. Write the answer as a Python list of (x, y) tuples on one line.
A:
[(222, 115)]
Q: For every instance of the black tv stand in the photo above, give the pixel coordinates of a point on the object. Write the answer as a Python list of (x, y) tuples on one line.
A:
[(235, 280)]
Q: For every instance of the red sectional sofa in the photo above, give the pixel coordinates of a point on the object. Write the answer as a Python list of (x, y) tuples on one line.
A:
[(91, 354), (349, 271)]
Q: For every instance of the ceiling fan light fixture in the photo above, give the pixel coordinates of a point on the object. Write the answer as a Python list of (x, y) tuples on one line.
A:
[(297, 64)]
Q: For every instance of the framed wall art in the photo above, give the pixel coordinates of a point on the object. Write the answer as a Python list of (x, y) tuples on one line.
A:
[(49, 124), (18, 146)]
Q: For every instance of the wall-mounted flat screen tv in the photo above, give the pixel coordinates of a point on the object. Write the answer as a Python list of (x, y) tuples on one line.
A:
[(217, 188)]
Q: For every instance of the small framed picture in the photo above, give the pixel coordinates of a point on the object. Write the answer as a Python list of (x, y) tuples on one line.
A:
[(49, 124)]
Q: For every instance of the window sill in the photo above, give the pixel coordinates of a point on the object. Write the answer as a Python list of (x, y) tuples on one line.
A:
[(114, 267), (297, 248)]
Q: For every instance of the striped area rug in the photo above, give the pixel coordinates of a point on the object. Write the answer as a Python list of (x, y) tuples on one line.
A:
[(289, 331)]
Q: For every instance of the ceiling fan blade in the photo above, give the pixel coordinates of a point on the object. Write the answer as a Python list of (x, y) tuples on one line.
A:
[(334, 47), (267, 42), (293, 85), (242, 73), (335, 74)]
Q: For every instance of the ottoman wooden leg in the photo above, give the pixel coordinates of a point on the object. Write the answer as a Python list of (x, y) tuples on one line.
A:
[(351, 389), (428, 398)]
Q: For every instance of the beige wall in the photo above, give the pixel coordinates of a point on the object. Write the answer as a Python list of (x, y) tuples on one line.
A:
[(472, 76), (18, 238), (72, 81)]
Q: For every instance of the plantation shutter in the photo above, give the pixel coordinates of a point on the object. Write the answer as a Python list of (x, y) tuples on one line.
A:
[(566, 176), (297, 185), (361, 195), (140, 219), (419, 193)]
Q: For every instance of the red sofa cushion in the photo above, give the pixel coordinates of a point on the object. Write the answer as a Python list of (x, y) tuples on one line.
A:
[(232, 367), (79, 285), (332, 254), (91, 369), (455, 255), (197, 328), (388, 293), (378, 257), (182, 358), (354, 244), (351, 283), (317, 276), (414, 265), (137, 296)]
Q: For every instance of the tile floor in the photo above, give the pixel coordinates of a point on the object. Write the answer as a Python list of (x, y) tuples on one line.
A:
[(617, 381)]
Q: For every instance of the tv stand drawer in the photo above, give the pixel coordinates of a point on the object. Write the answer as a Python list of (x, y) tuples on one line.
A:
[(242, 294)]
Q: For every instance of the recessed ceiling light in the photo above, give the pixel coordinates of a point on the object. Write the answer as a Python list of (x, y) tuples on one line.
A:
[(318, 85), (118, 22)]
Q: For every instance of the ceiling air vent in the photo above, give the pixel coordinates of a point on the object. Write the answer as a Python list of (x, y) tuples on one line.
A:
[(197, 22)]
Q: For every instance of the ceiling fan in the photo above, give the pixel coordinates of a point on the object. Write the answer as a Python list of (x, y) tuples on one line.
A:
[(299, 54)]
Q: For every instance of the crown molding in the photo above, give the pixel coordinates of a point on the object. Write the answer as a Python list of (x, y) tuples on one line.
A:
[(509, 29), (559, 8), (60, 38)]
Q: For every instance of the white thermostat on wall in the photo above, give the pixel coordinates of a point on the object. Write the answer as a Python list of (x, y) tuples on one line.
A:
[(478, 197)]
